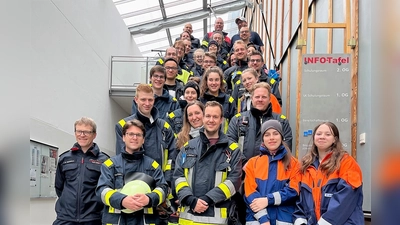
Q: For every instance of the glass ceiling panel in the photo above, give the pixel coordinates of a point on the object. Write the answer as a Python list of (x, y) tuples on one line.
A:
[(137, 5), (147, 17)]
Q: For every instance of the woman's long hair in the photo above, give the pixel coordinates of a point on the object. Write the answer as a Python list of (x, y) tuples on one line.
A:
[(213, 69), (183, 136), (333, 163)]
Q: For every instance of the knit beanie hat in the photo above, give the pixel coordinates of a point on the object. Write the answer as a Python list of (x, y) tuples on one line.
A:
[(274, 124), (194, 85), (212, 42)]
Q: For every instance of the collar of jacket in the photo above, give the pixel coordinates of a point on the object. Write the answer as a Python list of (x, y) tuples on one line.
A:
[(165, 95), (257, 113), (240, 64), (146, 120), (222, 138), (316, 161), (134, 156), (94, 149), (280, 153), (220, 98), (263, 76), (182, 103)]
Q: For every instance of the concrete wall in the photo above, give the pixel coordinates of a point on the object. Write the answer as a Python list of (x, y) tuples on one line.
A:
[(72, 42)]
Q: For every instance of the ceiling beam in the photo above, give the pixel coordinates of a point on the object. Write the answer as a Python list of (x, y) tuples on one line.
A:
[(152, 27)]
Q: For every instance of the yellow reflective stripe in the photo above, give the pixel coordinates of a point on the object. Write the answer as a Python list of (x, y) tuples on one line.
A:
[(160, 196), (174, 99), (148, 210), (108, 223), (108, 196), (171, 115), (205, 43), (238, 115), (226, 126), (224, 176), (283, 117), (224, 62), (155, 165), (186, 172), (224, 188), (233, 146), (184, 145), (175, 135), (166, 125), (181, 185), (170, 196), (165, 163), (238, 82), (111, 210), (161, 61), (224, 213), (231, 99), (239, 107), (239, 72), (272, 81), (108, 162), (122, 122)]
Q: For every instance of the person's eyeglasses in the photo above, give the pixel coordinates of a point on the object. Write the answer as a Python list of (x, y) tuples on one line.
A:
[(158, 77), (244, 31), (208, 61), (131, 135), (255, 60), (171, 68), (199, 56), (180, 49), (83, 132)]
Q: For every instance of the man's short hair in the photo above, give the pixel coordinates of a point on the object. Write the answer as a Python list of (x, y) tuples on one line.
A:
[(86, 121), (214, 104), (261, 85), (239, 42), (157, 68), (145, 88), (211, 55), (135, 123), (170, 59), (257, 53)]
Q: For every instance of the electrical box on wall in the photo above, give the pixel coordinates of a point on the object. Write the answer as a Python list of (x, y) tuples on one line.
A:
[(362, 138)]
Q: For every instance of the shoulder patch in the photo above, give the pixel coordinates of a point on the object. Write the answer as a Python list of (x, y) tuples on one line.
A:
[(231, 99), (283, 116), (233, 146), (155, 164), (175, 135), (186, 144), (238, 82), (272, 81), (166, 125), (108, 163), (238, 115), (174, 99), (122, 122), (171, 115), (224, 62), (161, 61), (239, 72)]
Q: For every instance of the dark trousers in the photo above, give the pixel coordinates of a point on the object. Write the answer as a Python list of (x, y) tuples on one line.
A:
[(63, 222)]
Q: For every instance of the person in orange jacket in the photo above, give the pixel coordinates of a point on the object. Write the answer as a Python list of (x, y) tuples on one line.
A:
[(331, 182)]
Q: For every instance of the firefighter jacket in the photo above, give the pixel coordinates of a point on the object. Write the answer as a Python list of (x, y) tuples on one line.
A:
[(212, 173), (197, 71), (234, 73), (336, 199), (222, 63), (195, 41), (177, 90), (75, 183), (175, 118), (226, 44), (228, 105), (184, 72), (266, 176), (245, 128), (159, 141), (164, 104), (112, 180)]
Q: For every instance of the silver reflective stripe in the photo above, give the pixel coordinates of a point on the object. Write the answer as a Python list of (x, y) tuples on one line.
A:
[(169, 162), (241, 143), (103, 194), (231, 187), (253, 223), (218, 178), (260, 214), (179, 180), (277, 197), (162, 192), (204, 219), (162, 159), (283, 223), (190, 177), (300, 221), (322, 221)]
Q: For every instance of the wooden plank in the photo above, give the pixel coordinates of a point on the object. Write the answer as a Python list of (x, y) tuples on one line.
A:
[(312, 31), (282, 27), (330, 31), (354, 81), (287, 78), (275, 32), (348, 26), (326, 25), (270, 32)]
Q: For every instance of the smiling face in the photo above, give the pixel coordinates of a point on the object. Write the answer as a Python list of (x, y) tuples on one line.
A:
[(260, 99), (198, 57), (212, 119), (213, 49), (133, 139), (188, 28), (324, 138), (157, 80), (214, 83), (244, 33), (171, 69), (256, 62), (248, 80), (219, 24), (272, 139), (240, 51), (218, 38), (185, 36), (145, 102), (195, 116), (190, 94), (208, 62), (84, 135)]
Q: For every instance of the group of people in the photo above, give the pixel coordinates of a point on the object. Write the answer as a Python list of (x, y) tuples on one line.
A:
[(206, 146)]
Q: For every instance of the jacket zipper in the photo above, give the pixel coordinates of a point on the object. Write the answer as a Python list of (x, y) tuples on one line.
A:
[(82, 171)]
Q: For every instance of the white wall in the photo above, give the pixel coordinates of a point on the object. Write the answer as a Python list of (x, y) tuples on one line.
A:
[(72, 42)]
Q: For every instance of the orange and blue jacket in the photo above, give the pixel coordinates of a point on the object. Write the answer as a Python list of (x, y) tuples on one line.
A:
[(336, 199), (266, 176)]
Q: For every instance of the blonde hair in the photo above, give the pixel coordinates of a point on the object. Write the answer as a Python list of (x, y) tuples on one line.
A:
[(183, 136), (86, 121)]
